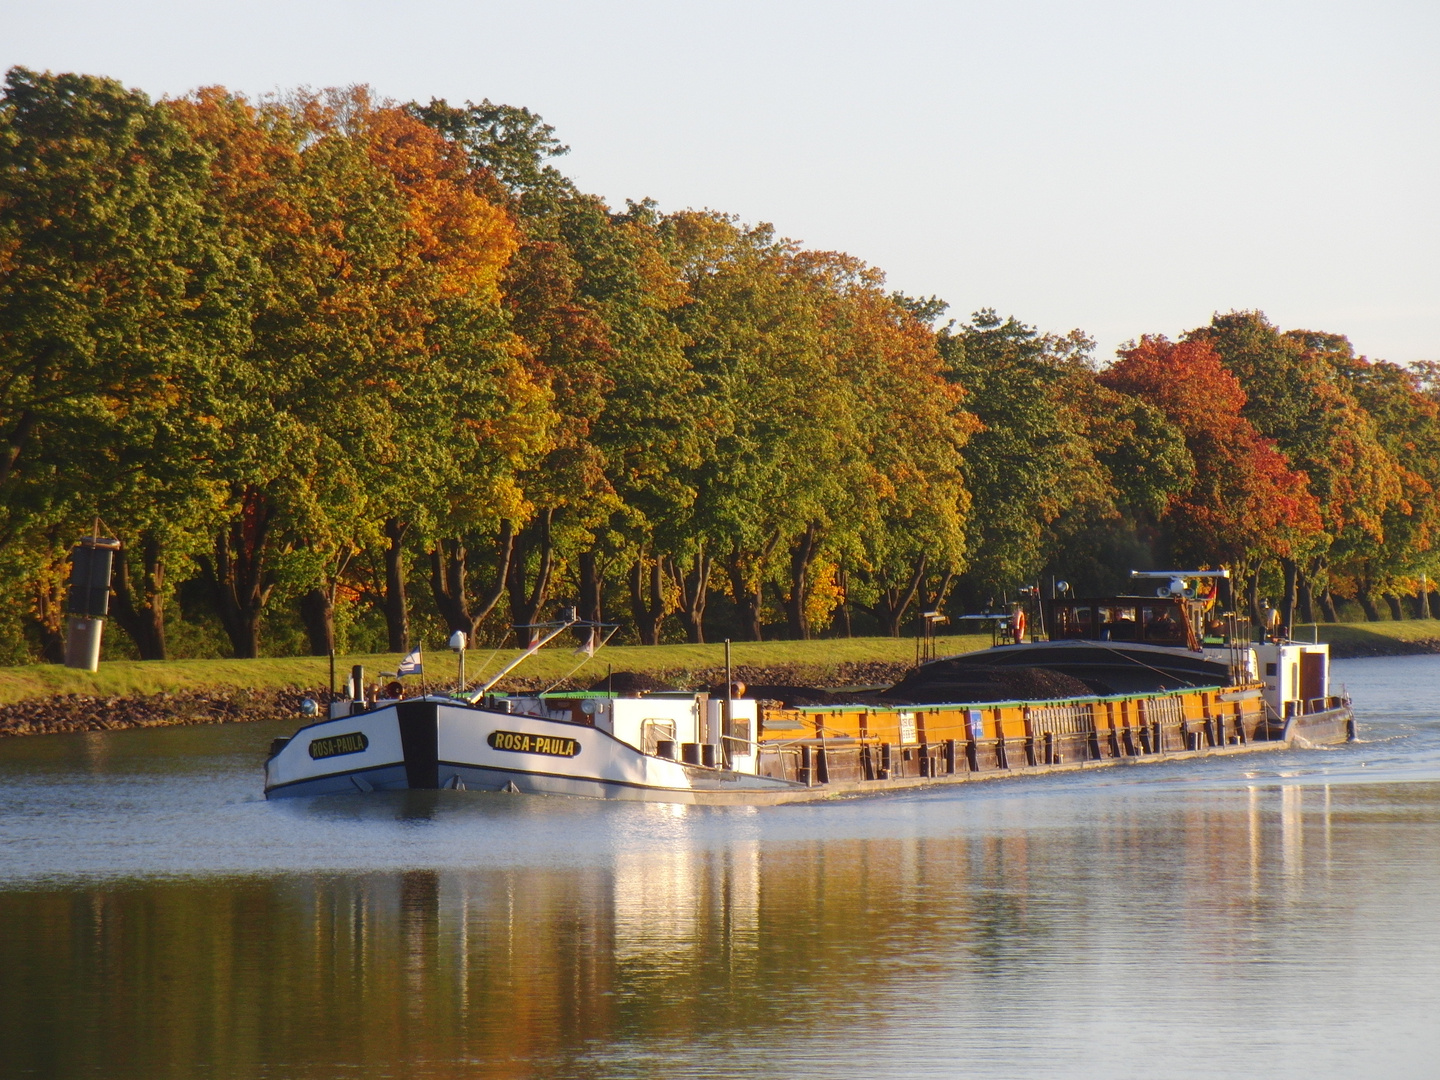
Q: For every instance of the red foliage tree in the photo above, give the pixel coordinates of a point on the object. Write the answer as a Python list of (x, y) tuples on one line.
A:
[(1247, 503)]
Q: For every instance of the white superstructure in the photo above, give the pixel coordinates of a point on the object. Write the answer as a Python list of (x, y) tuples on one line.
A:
[(665, 746)]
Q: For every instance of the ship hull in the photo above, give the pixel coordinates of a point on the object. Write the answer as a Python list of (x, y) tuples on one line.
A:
[(1325, 728), (438, 745)]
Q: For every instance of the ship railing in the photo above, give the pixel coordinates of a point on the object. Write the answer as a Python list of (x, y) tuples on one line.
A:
[(1061, 719), (808, 759), (733, 746), (1156, 729), (811, 760), (784, 758)]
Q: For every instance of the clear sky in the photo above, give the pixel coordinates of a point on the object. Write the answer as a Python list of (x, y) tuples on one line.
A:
[(1123, 167)]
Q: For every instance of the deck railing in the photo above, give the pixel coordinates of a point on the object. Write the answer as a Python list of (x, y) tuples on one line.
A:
[(996, 737)]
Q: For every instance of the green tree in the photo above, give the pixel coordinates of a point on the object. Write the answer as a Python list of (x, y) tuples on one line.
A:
[(900, 525), (588, 295), (106, 327), (1032, 460), (372, 344), (772, 469), (1246, 504), (1296, 394)]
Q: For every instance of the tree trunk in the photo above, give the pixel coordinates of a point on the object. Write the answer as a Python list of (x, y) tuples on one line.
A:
[(647, 599), (239, 579), (801, 556), (1306, 599), (694, 585), (317, 611), (934, 601), (895, 600), (1367, 602), (1252, 597), (1418, 606), (448, 570), (527, 599), (747, 600), (842, 613), (1327, 606), (1287, 602), (1434, 600), (397, 611), (15, 440), (143, 616), (592, 587), (1397, 612), (50, 592), (747, 575)]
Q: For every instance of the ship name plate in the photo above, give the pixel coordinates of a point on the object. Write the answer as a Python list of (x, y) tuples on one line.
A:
[(334, 745), (520, 742)]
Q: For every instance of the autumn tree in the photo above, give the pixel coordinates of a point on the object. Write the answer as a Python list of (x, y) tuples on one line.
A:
[(1246, 503), (106, 321), (1297, 396), (372, 347), (1406, 423), (900, 525), (1030, 462), (773, 469)]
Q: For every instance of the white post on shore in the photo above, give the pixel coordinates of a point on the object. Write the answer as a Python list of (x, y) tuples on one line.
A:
[(458, 643)]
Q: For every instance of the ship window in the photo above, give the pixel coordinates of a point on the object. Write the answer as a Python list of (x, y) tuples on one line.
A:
[(1075, 622), (1162, 627), (1118, 623), (1272, 669), (653, 731)]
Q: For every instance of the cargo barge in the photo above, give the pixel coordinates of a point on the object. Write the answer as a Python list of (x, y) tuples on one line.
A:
[(1116, 680)]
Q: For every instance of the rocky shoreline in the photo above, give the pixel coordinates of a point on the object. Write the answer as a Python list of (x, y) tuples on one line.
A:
[(85, 712), (1379, 646), (82, 712)]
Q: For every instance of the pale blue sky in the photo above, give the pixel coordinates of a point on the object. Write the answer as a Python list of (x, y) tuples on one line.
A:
[(1123, 167)]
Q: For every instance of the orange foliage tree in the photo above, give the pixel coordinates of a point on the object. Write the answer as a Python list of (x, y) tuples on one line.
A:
[(369, 377), (1246, 503), (1299, 392)]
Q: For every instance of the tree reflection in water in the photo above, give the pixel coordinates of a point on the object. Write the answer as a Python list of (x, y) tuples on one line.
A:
[(995, 943)]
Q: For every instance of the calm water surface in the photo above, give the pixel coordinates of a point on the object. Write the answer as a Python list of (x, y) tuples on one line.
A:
[(1270, 915)]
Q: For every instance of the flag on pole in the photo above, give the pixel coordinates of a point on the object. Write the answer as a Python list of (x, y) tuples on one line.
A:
[(411, 665)]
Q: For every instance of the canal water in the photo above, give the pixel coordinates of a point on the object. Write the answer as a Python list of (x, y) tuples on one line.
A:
[(1270, 915)]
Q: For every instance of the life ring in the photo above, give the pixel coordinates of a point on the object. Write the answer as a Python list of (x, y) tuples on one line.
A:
[(1017, 625)]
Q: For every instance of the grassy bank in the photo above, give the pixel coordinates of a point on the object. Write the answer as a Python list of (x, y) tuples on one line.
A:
[(815, 660), (1377, 638)]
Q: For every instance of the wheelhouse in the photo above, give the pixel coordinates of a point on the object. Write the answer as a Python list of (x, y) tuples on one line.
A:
[(1174, 622)]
